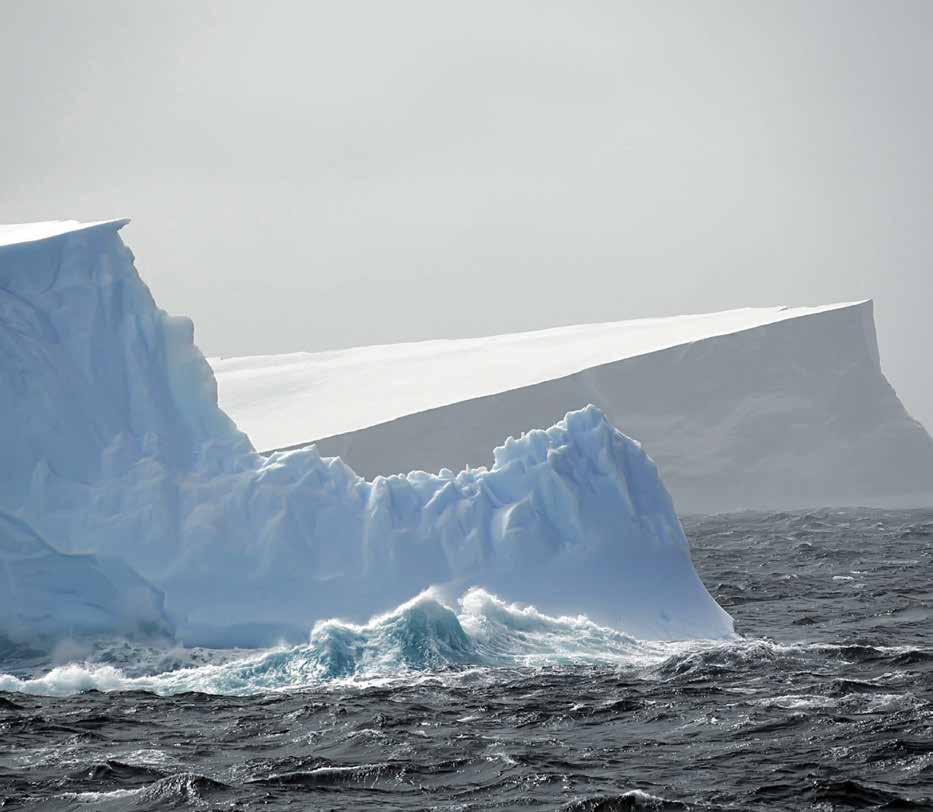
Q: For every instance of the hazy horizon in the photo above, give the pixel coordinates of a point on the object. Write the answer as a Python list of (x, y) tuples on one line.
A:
[(305, 176)]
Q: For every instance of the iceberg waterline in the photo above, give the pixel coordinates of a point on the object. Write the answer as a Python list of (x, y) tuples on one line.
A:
[(114, 444), (425, 634)]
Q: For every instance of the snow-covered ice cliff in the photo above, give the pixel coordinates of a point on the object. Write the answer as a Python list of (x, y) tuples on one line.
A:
[(114, 444), (753, 408)]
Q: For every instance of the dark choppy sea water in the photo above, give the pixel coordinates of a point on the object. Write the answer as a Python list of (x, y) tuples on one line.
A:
[(825, 703)]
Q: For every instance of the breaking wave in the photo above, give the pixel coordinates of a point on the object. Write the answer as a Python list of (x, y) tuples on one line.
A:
[(423, 635), (429, 636)]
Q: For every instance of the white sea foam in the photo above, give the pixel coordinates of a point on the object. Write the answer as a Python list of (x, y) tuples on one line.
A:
[(420, 637), (432, 637)]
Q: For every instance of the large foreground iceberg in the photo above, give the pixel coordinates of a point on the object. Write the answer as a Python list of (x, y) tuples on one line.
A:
[(114, 444), (754, 408)]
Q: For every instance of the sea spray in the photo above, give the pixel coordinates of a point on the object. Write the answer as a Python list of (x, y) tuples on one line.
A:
[(422, 636)]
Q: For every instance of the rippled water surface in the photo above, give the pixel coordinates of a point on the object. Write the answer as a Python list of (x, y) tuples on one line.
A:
[(825, 703)]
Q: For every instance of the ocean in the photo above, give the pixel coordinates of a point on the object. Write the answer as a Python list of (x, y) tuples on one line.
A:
[(825, 700)]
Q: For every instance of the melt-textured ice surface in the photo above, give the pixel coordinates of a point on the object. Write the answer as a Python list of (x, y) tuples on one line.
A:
[(47, 595), (114, 444), (766, 408)]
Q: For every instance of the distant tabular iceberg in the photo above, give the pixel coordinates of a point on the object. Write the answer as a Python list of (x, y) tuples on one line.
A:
[(113, 444), (755, 408)]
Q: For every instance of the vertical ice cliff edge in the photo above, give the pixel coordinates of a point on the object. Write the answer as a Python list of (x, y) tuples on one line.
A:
[(114, 444)]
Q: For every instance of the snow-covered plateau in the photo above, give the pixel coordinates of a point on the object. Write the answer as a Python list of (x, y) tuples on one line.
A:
[(765, 408), (114, 446)]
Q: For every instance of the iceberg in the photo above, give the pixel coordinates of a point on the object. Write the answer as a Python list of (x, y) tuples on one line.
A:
[(114, 445), (762, 408)]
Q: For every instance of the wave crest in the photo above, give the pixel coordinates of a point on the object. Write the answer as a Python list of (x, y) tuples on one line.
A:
[(422, 634)]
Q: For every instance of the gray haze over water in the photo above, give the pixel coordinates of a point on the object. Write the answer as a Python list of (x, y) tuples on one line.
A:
[(316, 175)]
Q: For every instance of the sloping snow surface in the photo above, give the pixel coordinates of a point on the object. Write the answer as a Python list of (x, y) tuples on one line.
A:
[(114, 444), (277, 399)]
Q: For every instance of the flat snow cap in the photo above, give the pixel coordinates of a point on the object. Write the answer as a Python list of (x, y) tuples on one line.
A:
[(22, 233)]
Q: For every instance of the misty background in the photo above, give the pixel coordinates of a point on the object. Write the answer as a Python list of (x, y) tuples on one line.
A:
[(310, 175)]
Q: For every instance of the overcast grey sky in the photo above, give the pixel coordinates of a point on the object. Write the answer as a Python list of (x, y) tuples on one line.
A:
[(308, 175)]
